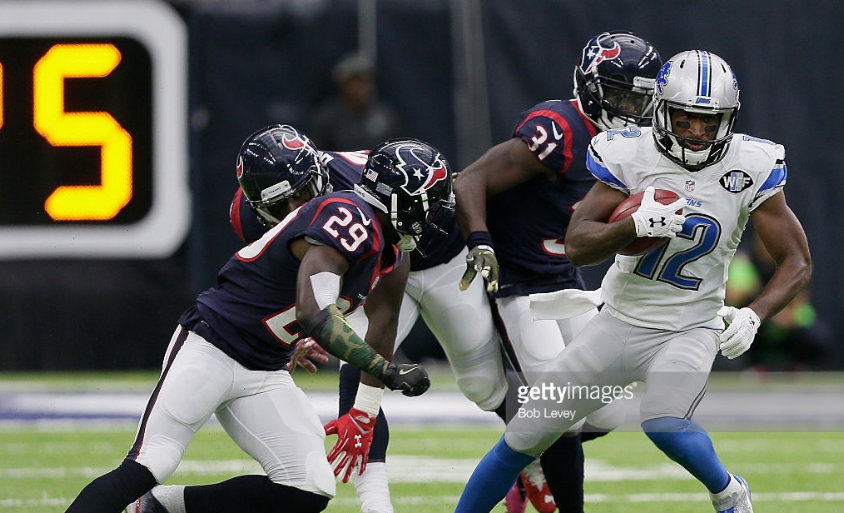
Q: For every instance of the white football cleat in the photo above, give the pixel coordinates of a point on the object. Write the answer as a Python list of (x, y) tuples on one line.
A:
[(373, 488), (735, 498)]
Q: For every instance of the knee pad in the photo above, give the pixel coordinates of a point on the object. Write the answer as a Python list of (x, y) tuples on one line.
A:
[(532, 443), (480, 377), (482, 390), (607, 417), (161, 455), (319, 478)]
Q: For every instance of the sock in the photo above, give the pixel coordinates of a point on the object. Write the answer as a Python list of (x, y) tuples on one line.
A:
[(172, 497), (348, 388), (563, 467), (373, 489), (492, 479), (687, 443), (590, 432), (513, 383), (115, 490), (349, 379), (251, 494), (380, 438)]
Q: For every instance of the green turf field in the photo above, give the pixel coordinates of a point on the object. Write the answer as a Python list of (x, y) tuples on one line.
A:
[(42, 468)]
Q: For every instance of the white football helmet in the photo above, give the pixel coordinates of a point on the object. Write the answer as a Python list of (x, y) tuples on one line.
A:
[(695, 81)]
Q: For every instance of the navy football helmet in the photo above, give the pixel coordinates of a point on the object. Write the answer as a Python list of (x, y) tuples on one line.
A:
[(412, 182), (702, 83), (614, 80), (276, 163)]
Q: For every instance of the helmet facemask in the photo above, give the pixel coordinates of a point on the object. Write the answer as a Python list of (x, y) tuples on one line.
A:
[(614, 103), (274, 208), (275, 164), (410, 181), (419, 222), (677, 146), (614, 80)]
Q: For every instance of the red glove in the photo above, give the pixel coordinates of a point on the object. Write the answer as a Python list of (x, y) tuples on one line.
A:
[(354, 432), (306, 350)]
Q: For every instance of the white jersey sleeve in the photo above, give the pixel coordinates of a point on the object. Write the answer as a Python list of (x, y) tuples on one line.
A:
[(682, 284)]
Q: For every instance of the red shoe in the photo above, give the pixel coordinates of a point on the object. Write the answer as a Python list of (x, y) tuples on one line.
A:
[(536, 488), (516, 501)]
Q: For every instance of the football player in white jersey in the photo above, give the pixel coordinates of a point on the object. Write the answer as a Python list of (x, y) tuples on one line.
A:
[(664, 318)]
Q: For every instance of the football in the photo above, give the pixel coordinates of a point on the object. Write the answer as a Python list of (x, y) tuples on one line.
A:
[(642, 245)]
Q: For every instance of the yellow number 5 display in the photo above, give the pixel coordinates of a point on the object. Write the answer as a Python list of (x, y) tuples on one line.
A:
[(60, 128), (93, 129)]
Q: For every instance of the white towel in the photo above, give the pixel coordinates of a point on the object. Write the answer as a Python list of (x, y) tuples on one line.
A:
[(563, 304)]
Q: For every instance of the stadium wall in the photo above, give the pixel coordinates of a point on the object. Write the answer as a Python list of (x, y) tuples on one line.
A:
[(257, 63)]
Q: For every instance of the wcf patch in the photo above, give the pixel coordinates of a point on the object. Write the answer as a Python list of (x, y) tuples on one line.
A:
[(736, 181)]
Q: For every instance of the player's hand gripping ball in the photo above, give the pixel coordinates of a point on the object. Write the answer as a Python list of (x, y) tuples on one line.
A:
[(658, 216)]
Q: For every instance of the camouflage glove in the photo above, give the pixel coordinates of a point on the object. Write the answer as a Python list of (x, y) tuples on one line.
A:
[(481, 258)]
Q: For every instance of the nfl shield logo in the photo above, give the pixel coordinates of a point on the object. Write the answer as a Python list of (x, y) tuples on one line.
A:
[(690, 185)]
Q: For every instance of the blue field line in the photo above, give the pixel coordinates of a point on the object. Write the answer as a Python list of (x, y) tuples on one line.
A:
[(779, 410), (39, 406)]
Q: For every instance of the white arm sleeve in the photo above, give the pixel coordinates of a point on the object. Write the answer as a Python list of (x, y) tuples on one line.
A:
[(326, 287)]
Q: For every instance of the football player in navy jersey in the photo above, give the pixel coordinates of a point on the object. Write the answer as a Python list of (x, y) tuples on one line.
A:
[(513, 205), (460, 320), (229, 355)]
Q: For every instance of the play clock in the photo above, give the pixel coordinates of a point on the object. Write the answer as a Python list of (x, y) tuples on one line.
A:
[(93, 137)]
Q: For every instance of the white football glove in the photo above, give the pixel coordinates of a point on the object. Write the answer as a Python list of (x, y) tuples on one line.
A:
[(743, 324), (653, 219)]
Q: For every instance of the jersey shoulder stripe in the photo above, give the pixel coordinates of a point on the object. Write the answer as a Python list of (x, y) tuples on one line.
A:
[(235, 216)]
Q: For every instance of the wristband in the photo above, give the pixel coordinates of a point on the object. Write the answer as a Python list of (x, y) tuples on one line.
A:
[(368, 399), (479, 238)]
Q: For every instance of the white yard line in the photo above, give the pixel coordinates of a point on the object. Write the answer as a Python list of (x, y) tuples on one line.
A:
[(452, 499), (423, 469)]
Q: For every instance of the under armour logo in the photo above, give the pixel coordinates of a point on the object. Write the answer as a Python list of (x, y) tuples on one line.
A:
[(660, 221), (357, 441)]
